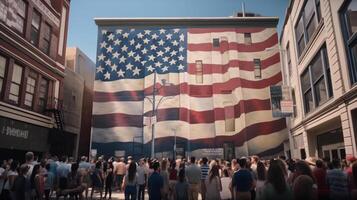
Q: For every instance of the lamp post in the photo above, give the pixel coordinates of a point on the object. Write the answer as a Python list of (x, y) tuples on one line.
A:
[(154, 110)]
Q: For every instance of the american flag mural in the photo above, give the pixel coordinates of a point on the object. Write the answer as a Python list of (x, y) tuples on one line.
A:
[(212, 98)]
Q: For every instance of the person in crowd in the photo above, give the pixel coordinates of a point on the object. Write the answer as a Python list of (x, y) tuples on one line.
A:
[(19, 186), (97, 179), (130, 182), (155, 183), (193, 174), (142, 177), (62, 173), (353, 182), (213, 184), (242, 181), (30, 161), (172, 179), (49, 181), (2, 178), (37, 182), (337, 181), (74, 184), (181, 187), (261, 178), (9, 180), (225, 181), (165, 176), (275, 187), (319, 172), (303, 188), (204, 173), (254, 163), (109, 178), (84, 168), (302, 168), (120, 170)]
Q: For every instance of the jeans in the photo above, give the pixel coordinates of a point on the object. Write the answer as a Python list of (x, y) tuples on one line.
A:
[(130, 192), (141, 192)]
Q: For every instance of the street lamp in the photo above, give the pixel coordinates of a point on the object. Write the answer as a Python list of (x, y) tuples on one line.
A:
[(155, 108)]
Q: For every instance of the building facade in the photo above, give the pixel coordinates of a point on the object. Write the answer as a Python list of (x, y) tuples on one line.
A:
[(193, 86), (78, 98), (33, 36), (319, 47)]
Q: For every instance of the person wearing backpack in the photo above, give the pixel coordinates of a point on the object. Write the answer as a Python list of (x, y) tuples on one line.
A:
[(19, 186)]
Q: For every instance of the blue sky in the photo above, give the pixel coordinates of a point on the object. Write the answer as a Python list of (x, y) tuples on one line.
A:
[(83, 31)]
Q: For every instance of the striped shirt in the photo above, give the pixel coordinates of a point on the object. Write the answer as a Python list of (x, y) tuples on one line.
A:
[(204, 171)]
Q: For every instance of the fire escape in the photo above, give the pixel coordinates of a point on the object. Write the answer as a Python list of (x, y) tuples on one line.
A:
[(55, 108)]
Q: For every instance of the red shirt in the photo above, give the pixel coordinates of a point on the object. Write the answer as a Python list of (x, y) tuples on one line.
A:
[(320, 176)]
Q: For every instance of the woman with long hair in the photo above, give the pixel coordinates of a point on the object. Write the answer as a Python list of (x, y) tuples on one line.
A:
[(181, 187), (130, 182), (97, 178), (304, 187), (213, 184), (109, 180), (165, 175), (261, 178), (37, 183), (276, 187)]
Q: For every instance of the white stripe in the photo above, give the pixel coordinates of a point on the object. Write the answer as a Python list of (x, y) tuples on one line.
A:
[(262, 143), (215, 57), (183, 129), (199, 38), (182, 100), (115, 134)]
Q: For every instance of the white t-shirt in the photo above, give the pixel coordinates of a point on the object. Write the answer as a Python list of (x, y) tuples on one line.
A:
[(7, 184), (2, 170), (141, 175), (225, 193)]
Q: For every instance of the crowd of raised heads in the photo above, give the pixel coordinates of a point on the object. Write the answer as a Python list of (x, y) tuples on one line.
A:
[(245, 178)]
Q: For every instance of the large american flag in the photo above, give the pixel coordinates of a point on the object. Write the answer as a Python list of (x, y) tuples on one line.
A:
[(127, 59)]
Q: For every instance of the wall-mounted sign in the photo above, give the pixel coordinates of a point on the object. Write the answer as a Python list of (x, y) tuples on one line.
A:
[(22, 136), (281, 103)]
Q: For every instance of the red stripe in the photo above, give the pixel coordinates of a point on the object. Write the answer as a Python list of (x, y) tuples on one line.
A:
[(182, 114), (219, 30), (242, 65), (246, 134), (240, 47), (191, 90)]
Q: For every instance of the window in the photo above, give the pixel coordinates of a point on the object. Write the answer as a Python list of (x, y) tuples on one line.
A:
[(2, 71), (316, 82), (247, 38), (288, 58), (294, 102), (42, 94), (349, 23), (215, 42), (20, 16), (35, 27), (46, 44), (30, 88), (257, 69), (199, 71), (229, 117), (307, 23), (15, 84)]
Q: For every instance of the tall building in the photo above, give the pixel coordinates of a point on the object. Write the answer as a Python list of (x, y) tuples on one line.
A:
[(193, 86), (78, 99), (33, 36), (320, 65)]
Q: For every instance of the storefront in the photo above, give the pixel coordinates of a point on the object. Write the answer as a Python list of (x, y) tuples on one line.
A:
[(16, 138)]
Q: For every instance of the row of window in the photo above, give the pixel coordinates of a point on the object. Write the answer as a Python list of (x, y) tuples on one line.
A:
[(23, 86), (199, 70), (18, 22), (247, 40)]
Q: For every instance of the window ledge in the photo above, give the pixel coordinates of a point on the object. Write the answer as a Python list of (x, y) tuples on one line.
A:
[(311, 41)]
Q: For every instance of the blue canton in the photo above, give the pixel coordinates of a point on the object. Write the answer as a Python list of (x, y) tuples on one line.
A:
[(125, 53)]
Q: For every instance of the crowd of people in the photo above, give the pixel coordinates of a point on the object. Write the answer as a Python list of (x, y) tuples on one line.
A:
[(246, 178)]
